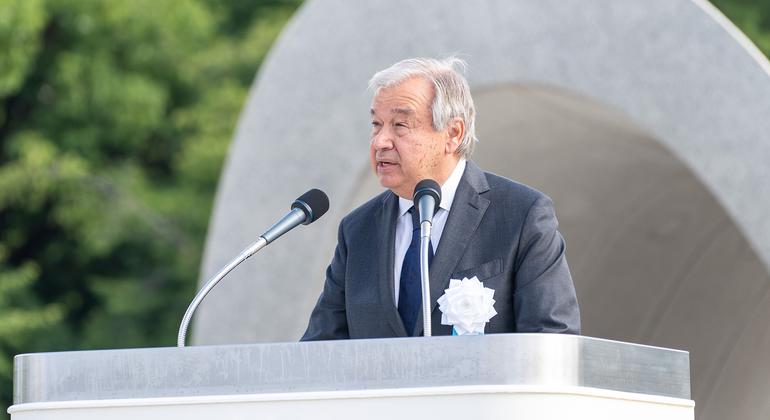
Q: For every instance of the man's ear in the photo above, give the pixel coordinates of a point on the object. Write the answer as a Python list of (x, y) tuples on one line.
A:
[(455, 133)]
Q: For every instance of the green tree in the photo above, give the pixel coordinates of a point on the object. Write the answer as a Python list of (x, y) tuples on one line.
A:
[(115, 120), (752, 17)]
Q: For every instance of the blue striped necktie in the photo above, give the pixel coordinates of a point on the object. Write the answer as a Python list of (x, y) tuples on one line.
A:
[(410, 288)]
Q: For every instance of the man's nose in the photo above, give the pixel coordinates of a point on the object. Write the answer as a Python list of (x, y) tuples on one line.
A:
[(383, 140)]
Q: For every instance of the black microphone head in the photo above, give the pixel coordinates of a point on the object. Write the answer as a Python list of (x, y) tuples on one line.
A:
[(427, 187), (313, 203)]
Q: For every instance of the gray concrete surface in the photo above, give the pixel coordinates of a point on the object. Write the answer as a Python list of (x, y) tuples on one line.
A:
[(645, 120), (655, 257)]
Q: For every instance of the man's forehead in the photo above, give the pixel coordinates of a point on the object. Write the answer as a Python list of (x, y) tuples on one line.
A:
[(409, 97)]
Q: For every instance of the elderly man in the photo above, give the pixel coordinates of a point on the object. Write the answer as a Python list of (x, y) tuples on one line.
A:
[(500, 231)]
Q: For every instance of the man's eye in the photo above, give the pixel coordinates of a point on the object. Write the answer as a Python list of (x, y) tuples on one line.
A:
[(400, 124)]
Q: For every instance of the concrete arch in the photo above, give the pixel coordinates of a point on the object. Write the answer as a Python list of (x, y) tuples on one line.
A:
[(689, 90)]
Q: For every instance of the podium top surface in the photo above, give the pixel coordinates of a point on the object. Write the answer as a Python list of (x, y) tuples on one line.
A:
[(501, 359)]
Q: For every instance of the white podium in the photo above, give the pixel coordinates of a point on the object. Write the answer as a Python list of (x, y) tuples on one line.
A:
[(528, 376)]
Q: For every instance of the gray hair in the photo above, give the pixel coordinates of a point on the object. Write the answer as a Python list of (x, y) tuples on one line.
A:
[(451, 98)]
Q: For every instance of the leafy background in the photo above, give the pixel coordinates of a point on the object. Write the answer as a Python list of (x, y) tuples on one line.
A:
[(115, 118)]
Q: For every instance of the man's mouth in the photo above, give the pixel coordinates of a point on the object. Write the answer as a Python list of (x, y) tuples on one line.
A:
[(386, 164)]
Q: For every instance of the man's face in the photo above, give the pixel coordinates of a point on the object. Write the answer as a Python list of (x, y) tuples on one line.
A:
[(405, 148)]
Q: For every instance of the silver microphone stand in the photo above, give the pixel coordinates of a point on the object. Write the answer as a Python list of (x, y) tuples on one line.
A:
[(288, 222), (246, 253), (425, 228)]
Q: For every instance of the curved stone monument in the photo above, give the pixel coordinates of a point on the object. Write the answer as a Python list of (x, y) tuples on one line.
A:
[(646, 122)]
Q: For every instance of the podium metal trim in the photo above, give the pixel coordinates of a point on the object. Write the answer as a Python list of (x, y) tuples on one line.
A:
[(501, 359)]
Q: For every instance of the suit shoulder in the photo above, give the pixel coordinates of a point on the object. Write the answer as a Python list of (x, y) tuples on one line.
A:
[(501, 187)]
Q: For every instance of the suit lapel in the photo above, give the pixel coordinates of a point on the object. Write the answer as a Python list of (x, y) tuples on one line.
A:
[(385, 220), (465, 215)]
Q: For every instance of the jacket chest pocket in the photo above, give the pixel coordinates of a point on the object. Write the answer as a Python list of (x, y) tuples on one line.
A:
[(483, 271)]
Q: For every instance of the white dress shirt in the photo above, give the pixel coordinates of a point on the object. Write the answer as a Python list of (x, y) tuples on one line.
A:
[(404, 222)]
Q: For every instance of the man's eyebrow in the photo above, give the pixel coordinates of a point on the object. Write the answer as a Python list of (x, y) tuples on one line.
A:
[(402, 111)]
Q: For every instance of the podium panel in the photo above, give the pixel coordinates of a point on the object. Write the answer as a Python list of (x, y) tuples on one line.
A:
[(479, 377)]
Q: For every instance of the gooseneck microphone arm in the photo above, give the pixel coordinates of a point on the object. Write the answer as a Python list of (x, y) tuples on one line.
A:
[(246, 253), (427, 196), (305, 210)]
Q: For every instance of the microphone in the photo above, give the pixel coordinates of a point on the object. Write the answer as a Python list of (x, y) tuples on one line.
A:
[(305, 210), (427, 197)]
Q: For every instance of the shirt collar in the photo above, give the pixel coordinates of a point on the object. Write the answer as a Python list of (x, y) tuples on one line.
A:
[(448, 190)]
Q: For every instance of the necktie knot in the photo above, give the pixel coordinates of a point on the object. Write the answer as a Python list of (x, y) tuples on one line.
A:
[(415, 218)]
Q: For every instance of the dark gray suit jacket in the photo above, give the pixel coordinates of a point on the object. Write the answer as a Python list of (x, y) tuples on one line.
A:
[(501, 231)]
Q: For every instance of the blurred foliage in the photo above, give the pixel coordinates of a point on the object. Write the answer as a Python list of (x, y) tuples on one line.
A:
[(752, 17), (115, 119)]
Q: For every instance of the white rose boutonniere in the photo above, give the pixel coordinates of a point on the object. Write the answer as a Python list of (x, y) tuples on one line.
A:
[(467, 305)]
